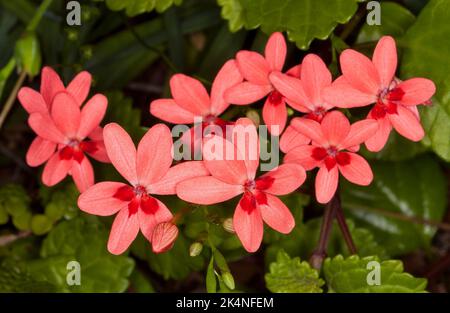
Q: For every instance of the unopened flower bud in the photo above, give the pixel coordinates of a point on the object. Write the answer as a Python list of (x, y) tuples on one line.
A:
[(163, 237), (254, 117), (228, 280), (195, 249), (228, 225)]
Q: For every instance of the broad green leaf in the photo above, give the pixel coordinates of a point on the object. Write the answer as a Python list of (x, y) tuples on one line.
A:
[(14, 278), (303, 20), (292, 275), (304, 239), (354, 274), (416, 188), (40, 224), (82, 240), (425, 54), (135, 7), (395, 20)]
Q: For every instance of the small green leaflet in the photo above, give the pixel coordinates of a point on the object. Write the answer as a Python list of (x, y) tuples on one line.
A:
[(135, 7)]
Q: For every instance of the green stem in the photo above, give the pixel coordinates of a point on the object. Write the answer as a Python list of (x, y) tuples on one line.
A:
[(38, 16), (11, 98)]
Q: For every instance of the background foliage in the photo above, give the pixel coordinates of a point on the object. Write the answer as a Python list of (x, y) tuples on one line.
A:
[(131, 47)]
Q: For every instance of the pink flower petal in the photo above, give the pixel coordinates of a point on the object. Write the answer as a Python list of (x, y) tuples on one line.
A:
[(154, 154), (379, 139), (385, 60), (176, 174), (100, 154), (315, 76), (310, 129), (292, 88), (291, 139), (360, 132), (275, 51), (55, 170), (342, 95), (326, 183), (286, 179), (82, 174), (121, 151), (249, 228), (407, 124), (302, 155), (148, 222), (246, 93), (40, 151), (295, 71), (123, 231), (92, 114), (277, 215), (168, 110), (51, 84), (360, 71), (99, 199), (335, 127), (66, 114), (32, 101), (253, 67), (44, 127), (275, 116), (190, 94), (228, 76), (357, 171), (417, 91), (206, 190), (79, 87), (224, 161), (163, 237), (245, 138)]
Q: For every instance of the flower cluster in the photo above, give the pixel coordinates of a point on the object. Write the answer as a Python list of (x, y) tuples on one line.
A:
[(322, 137)]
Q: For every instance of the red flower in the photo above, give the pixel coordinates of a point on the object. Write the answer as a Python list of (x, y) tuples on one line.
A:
[(232, 176), (366, 81), (191, 100), (307, 93), (330, 140), (256, 69), (32, 101), (148, 172), (72, 132)]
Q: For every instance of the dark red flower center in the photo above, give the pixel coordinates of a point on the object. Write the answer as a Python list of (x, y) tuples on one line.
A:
[(275, 97), (317, 115), (330, 156), (254, 193), (212, 120), (137, 197), (75, 150), (387, 102)]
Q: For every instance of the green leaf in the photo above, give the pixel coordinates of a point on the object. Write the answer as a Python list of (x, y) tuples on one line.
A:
[(140, 283), (82, 240), (40, 224), (303, 20), (211, 282), (135, 7), (416, 188), (353, 274), (15, 201), (395, 20), (60, 201), (425, 54), (14, 278), (292, 275)]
